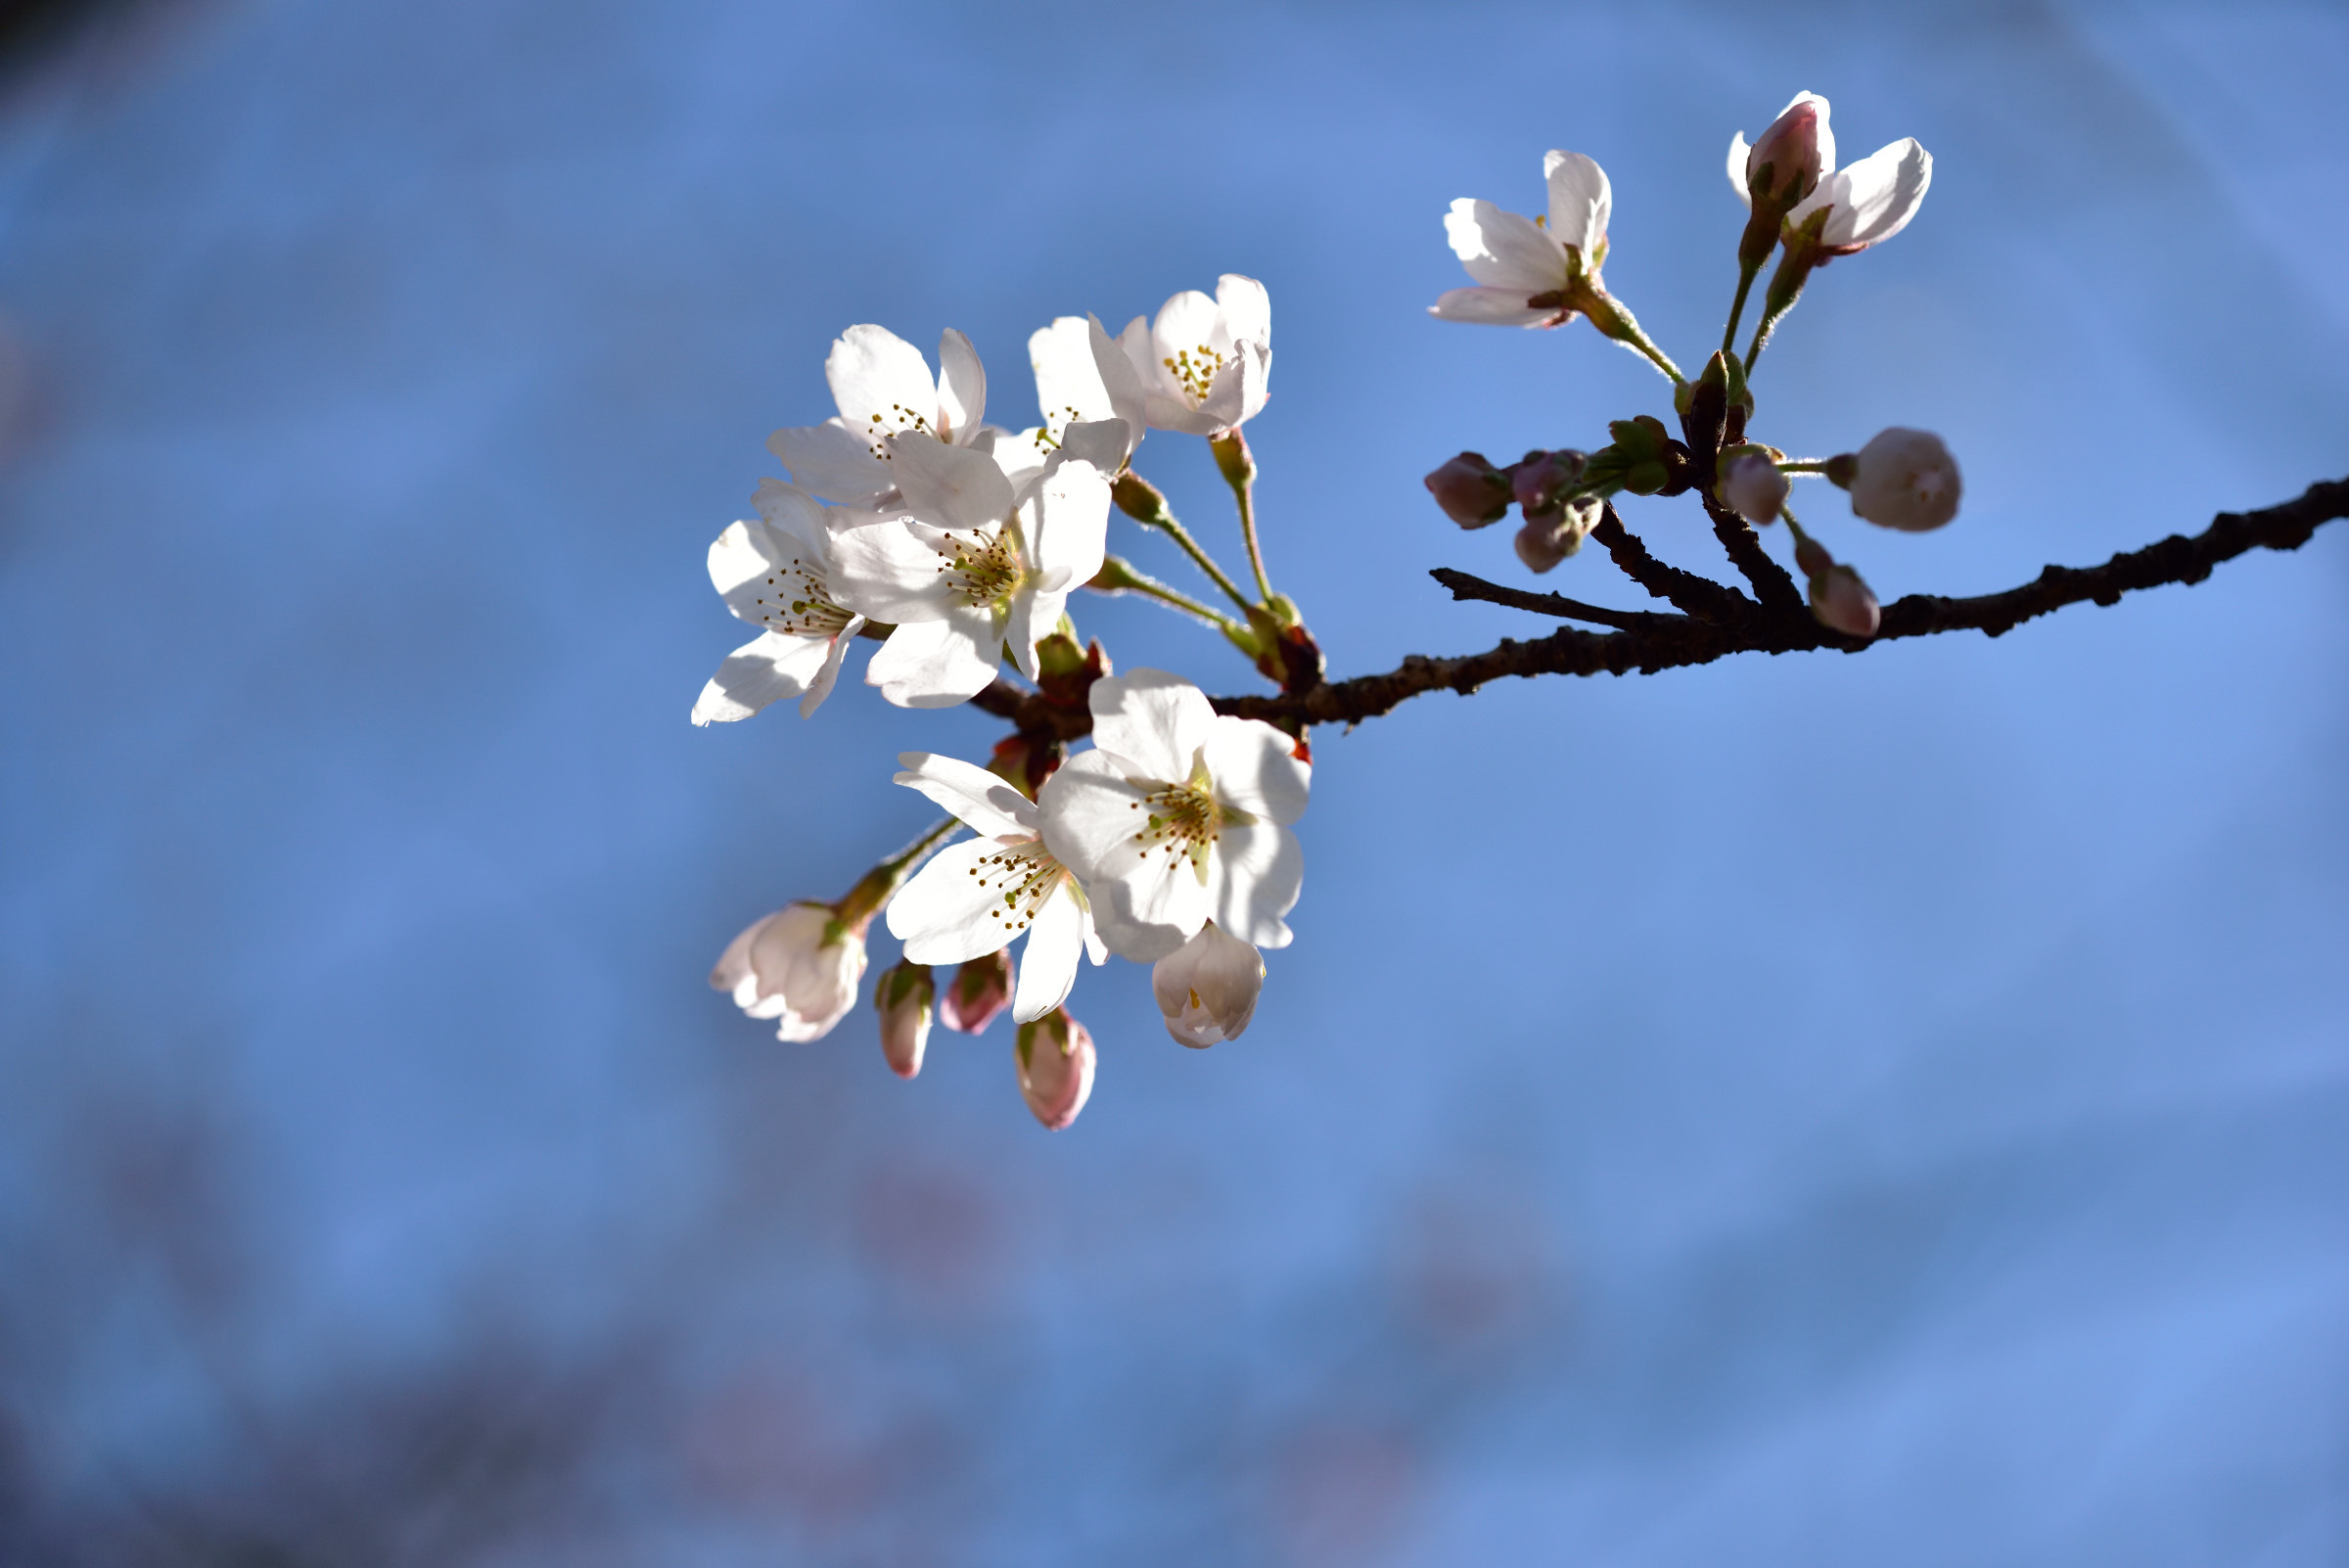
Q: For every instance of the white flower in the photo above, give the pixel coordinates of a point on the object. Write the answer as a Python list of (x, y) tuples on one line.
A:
[(776, 573), (1753, 488), (1208, 987), (1525, 273), (974, 897), (799, 965), (885, 388), (1084, 377), (972, 568), (1179, 816), (1906, 479), (1870, 201), (1204, 364)]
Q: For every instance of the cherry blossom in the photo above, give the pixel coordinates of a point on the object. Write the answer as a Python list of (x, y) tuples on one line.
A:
[(1055, 1059), (906, 999), (776, 573), (1867, 204), (800, 966), (1527, 274), (971, 569), (1797, 148), (977, 897), (884, 388), (1176, 817), (1083, 375), (1208, 987), (1203, 366)]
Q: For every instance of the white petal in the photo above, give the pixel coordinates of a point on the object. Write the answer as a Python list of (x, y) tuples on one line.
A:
[(1503, 250), (1033, 614), (825, 679), (982, 802), (962, 387), (1022, 457), (831, 460), (760, 672), (1580, 200), (1145, 903), (1066, 523), (881, 383), (1246, 309), (1495, 307), (1102, 442), (1186, 323), (950, 911), (936, 664), (950, 486), (1877, 196), (1253, 878), (1255, 769), (1255, 380), (1207, 990), (1069, 387), (1119, 379), (1048, 970), (1826, 132), (794, 513), (1738, 172), (1156, 720), (889, 570)]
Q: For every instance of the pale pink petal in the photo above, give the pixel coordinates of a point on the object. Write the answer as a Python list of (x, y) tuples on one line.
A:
[(760, 672), (1255, 769), (1493, 308), (1503, 251), (937, 664), (948, 912), (1253, 878), (825, 679), (1156, 720), (1580, 202), (881, 383), (950, 487), (978, 798), (829, 459), (961, 389), (889, 570), (1048, 970)]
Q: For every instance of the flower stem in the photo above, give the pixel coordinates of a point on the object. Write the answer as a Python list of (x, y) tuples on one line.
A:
[(1238, 467), (1141, 502), (1118, 577), (1803, 465), (1745, 286), (1614, 320)]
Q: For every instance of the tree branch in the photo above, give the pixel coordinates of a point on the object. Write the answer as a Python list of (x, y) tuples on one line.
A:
[(1649, 642)]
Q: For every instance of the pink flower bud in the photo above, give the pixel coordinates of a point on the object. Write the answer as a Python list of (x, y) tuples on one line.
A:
[(1791, 150), (1843, 603), (1548, 539), (1208, 987), (1753, 488), (1906, 479), (1540, 485), (980, 990), (1471, 492), (1055, 1057), (905, 999)]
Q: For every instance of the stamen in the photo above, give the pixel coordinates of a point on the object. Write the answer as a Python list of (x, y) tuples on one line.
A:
[(1028, 876), (799, 603)]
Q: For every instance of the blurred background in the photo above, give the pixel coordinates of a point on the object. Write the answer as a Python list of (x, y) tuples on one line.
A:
[(1811, 1110)]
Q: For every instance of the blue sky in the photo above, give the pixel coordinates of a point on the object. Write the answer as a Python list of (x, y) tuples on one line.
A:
[(1808, 1110)]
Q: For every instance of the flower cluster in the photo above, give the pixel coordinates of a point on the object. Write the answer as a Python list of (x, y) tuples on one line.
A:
[(959, 545), (1544, 272)]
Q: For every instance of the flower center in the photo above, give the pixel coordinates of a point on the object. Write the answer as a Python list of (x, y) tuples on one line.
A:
[(798, 602), (1194, 371), (1184, 819), (1022, 876), (982, 569)]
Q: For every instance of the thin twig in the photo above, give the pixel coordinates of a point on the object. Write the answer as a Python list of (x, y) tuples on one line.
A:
[(1676, 641)]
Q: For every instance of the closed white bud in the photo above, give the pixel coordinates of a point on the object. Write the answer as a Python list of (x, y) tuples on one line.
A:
[(1753, 488), (1208, 987), (1548, 539), (1906, 479), (1055, 1058)]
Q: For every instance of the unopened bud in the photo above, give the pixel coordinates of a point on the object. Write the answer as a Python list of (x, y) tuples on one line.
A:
[(1783, 166), (1055, 1059), (1232, 457), (1843, 603), (1065, 674), (906, 996), (980, 990), (1906, 479), (1471, 492), (1539, 483), (1544, 541), (1752, 486), (1137, 497), (1208, 987)]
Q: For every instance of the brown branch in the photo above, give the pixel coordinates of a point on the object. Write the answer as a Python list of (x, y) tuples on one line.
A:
[(1675, 641), (1465, 586), (1685, 591)]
